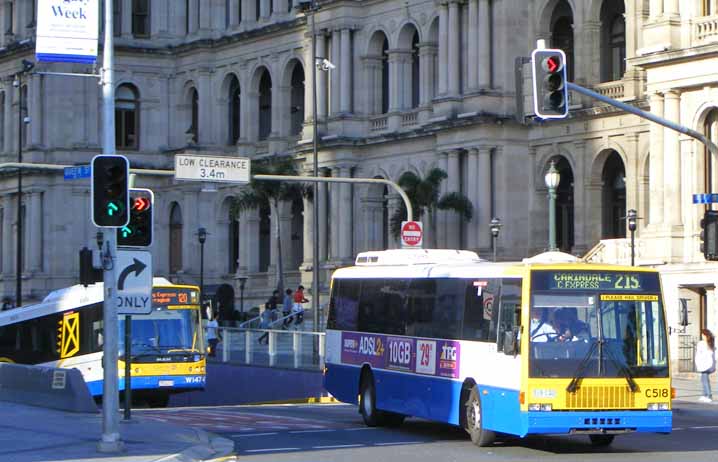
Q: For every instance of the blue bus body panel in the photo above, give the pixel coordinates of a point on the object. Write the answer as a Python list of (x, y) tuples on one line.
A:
[(181, 382), (500, 409), (561, 422)]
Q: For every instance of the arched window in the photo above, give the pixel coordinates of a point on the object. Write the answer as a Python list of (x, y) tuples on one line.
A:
[(385, 76), (297, 100), (140, 18), (613, 40), (614, 197), (265, 106), (127, 120), (235, 99), (415, 71), (175, 238), (564, 205), (562, 34), (193, 129)]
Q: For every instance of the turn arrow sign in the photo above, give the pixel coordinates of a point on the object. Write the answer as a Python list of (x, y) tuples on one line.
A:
[(137, 266)]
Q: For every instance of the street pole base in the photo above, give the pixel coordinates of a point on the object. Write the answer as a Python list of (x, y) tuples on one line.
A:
[(110, 444)]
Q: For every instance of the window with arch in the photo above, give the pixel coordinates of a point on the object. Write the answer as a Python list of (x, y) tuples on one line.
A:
[(235, 122), (175, 254), (193, 130), (297, 100), (613, 40), (562, 34), (614, 197), (265, 105), (385, 76), (140, 18), (127, 117), (415, 71)]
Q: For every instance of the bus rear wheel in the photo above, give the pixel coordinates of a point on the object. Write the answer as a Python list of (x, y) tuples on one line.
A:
[(367, 402), (601, 440), (474, 422)]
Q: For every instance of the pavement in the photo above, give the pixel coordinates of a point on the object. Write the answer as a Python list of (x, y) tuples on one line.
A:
[(35, 434)]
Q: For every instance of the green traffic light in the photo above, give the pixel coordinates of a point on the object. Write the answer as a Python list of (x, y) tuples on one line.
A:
[(126, 231), (112, 208)]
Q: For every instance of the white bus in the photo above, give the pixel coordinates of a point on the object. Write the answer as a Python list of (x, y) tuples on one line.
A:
[(551, 345)]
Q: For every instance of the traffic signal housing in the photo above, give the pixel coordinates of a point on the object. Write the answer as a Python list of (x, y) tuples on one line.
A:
[(110, 198), (549, 82), (709, 235), (138, 232)]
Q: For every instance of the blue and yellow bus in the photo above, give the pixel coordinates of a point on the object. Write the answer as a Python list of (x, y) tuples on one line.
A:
[(66, 330), (550, 345)]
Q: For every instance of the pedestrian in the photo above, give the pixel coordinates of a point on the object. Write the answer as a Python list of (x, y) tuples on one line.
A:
[(213, 338), (297, 308), (264, 323), (287, 308), (706, 363)]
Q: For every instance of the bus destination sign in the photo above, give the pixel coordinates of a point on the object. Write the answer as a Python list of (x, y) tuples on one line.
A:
[(595, 280), (174, 297)]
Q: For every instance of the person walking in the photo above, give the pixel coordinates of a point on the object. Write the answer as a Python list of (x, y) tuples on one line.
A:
[(706, 363), (212, 329), (267, 316), (287, 308), (297, 308)]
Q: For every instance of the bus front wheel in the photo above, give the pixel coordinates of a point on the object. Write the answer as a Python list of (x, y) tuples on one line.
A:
[(601, 440), (367, 402), (474, 424)]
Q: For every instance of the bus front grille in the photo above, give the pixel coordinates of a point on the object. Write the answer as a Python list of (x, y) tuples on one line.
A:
[(606, 397)]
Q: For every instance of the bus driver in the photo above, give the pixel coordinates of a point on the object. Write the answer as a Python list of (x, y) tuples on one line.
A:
[(541, 329)]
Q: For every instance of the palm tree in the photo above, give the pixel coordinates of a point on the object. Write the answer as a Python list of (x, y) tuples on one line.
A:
[(424, 194), (264, 193)]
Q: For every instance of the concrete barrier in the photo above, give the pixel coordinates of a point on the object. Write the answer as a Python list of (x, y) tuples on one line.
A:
[(45, 387)]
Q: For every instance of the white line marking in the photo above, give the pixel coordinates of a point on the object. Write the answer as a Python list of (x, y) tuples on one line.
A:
[(398, 442), (313, 431), (272, 449), (338, 446), (359, 428), (706, 426), (677, 429), (240, 435)]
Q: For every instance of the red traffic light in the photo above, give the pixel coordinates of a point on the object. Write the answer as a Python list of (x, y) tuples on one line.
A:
[(141, 204), (552, 64)]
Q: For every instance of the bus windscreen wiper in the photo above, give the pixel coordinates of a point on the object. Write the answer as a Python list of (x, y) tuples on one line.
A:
[(624, 370), (581, 369)]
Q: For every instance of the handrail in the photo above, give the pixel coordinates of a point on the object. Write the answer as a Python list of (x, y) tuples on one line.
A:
[(248, 322)]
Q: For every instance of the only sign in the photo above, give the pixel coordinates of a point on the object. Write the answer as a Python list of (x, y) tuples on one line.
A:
[(412, 234)]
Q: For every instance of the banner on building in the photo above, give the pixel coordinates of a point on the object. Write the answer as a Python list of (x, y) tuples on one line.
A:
[(67, 31)]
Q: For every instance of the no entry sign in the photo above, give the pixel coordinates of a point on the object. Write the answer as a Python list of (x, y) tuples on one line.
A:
[(412, 234)]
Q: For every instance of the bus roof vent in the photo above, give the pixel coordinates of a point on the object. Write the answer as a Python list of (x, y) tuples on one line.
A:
[(551, 257), (415, 257)]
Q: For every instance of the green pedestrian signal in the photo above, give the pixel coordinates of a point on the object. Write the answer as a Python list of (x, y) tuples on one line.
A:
[(110, 200), (138, 232)]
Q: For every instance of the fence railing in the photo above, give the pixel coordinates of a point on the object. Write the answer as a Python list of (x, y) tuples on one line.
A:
[(294, 349)]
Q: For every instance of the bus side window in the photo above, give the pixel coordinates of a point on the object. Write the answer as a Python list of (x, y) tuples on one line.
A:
[(509, 317)]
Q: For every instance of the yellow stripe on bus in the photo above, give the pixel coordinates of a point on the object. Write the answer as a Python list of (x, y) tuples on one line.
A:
[(629, 298)]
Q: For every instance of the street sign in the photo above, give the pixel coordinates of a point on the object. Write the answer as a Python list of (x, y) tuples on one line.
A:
[(77, 173), (134, 282), (212, 168), (705, 198), (412, 234)]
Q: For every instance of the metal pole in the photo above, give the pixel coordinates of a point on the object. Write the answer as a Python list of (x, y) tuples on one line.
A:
[(110, 441), (494, 245), (633, 248), (201, 272), (128, 366), (315, 203), (18, 238), (552, 219)]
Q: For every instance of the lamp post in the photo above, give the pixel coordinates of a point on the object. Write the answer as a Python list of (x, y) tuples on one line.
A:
[(552, 178), (495, 227), (242, 280), (27, 66), (201, 237), (632, 216)]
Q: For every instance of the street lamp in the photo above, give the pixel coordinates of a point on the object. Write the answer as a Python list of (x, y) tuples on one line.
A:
[(552, 178), (242, 280), (495, 227), (201, 237), (632, 216)]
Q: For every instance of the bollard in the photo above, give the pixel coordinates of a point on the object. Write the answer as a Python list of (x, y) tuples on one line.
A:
[(247, 347), (272, 348), (321, 352), (225, 345), (296, 348)]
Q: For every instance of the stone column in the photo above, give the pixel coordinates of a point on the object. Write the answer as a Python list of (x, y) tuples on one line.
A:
[(321, 79), (370, 85), (335, 216), (125, 18), (205, 16), (582, 215), (442, 230), (484, 44), (193, 20), (398, 79), (655, 9), (483, 214), (323, 209), (252, 239), (656, 162), (443, 48), (34, 230), (345, 68), (670, 8), (8, 235), (204, 92), (454, 48), (474, 229), (345, 219), (473, 64), (427, 58), (11, 97), (335, 88), (393, 202), (234, 18), (249, 11), (280, 7), (264, 9), (453, 220), (671, 161), (159, 18), (280, 110)]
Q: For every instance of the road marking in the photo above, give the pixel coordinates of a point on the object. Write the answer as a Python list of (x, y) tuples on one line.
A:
[(398, 442), (272, 449), (240, 435), (338, 446), (359, 428), (313, 431), (677, 429), (705, 426)]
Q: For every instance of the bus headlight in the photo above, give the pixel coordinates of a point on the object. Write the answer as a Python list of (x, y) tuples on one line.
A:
[(658, 406), (541, 407)]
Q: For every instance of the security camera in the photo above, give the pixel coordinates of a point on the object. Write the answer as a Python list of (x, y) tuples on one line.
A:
[(326, 65)]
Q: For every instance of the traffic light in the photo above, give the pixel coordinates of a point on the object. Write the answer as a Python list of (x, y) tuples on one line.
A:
[(138, 232), (110, 200), (709, 235), (549, 81), (88, 273)]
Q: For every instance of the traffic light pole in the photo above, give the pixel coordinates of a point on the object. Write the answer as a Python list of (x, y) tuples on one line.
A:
[(110, 441)]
